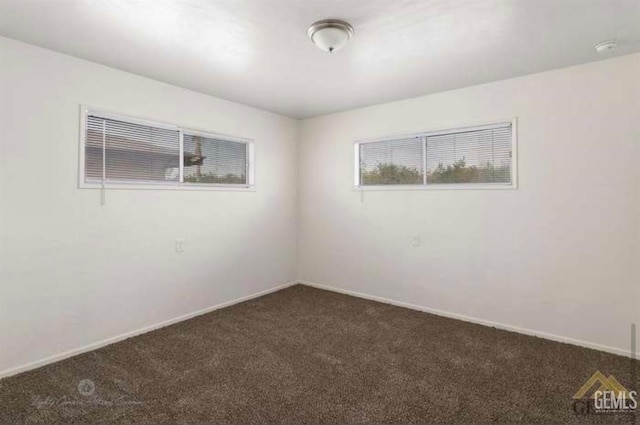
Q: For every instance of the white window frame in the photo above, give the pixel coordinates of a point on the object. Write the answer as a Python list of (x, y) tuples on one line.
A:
[(442, 186), (169, 185)]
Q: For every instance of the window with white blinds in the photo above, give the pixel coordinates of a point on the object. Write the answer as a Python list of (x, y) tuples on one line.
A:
[(392, 162), (478, 157), (125, 151), (117, 150), (212, 160)]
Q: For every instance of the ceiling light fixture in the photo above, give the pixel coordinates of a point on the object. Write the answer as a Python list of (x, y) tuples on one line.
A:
[(330, 35), (606, 46)]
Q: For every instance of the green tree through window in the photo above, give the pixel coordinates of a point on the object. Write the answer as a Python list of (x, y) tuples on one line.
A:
[(457, 172)]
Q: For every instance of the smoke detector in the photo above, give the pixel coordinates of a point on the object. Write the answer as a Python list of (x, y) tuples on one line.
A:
[(330, 35), (605, 46)]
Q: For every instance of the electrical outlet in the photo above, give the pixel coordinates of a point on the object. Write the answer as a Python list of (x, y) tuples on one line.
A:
[(179, 245), (415, 241)]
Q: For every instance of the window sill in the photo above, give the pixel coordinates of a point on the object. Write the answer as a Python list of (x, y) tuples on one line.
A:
[(168, 186), (438, 187)]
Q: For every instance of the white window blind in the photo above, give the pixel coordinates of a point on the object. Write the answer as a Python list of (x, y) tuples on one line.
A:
[(475, 156), (125, 151), (392, 162), (210, 160), (480, 156), (120, 150)]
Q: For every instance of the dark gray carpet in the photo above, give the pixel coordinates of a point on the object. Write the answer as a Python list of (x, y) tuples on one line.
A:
[(304, 355)]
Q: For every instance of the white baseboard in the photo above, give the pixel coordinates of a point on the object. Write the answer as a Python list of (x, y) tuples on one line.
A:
[(117, 338), (108, 341), (552, 337)]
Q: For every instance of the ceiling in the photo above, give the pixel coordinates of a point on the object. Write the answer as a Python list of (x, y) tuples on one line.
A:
[(257, 51)]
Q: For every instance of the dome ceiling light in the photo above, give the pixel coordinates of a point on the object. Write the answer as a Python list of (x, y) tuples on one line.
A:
[(330, 35), (605, 46)]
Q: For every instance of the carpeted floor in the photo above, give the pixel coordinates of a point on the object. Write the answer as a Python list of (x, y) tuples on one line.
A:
[(304, 355)]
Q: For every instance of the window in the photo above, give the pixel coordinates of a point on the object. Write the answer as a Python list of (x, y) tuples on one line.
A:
[(478, 157), (212, 160), (119, 151)]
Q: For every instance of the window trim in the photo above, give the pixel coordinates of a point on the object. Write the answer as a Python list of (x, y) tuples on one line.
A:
[(169, 185), (423, 134)]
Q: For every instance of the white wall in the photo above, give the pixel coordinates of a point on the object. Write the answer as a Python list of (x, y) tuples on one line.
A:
[(560, 255), (74, 273)]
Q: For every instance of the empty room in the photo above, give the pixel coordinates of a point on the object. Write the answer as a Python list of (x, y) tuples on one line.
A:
[(319, 211)]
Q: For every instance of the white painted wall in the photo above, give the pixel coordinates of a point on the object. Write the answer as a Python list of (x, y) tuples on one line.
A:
[(74, 273), (560, 255)]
